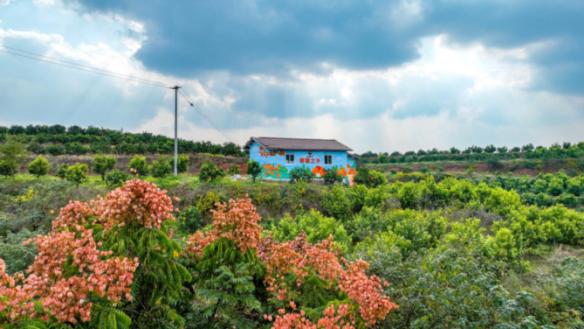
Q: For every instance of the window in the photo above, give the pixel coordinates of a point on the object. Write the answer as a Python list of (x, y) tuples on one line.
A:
[(289, 158), (328, 159)]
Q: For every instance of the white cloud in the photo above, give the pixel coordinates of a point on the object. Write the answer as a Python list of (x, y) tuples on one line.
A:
[(451, 95)]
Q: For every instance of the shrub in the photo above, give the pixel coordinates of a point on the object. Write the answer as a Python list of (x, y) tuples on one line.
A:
[(12, 153), (370, 178), (336, 203), (332, 176), (301, 174), (316, 227), (253, 169), (77, 173), (138, 165), (190, 220), (40, 166), (234, 170), (102, 164), (8, 168), (183, 163), (210, 172), (62, 170), (161, 168), (116, 178)]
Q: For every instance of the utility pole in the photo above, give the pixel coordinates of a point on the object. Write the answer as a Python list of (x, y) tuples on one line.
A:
[(175, 167)]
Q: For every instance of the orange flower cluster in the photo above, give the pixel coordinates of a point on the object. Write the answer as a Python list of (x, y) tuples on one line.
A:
[(339, 318), (70, 268), (74, 215), (366, 291), (299, 258), (136, 201), (66, 271), (236, 220)]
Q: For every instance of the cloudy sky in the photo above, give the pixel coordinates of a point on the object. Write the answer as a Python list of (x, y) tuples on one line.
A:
[(377, 75)]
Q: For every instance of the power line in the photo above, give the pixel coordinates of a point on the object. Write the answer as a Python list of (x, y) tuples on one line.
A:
[(80, 67), (200, 112), (112, 74)]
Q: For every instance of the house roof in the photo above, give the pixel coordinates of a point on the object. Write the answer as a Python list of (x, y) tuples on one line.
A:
[(305, 144)]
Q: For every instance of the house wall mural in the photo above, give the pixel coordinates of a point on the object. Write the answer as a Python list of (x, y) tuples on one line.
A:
[(277, 161)]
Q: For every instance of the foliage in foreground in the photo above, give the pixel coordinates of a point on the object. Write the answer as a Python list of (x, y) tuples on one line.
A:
[(112, 262)]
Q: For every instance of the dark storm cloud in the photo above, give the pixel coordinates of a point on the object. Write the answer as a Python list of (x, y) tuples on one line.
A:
[(263, 36), (186, 38)]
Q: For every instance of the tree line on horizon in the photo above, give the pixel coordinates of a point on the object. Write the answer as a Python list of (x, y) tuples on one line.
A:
[(76, 140), (478, 153)]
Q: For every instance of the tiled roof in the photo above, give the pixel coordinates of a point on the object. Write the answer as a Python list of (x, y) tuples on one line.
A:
[(306, 144)]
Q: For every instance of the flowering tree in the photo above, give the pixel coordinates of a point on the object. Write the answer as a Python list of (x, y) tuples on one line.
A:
[(101, 261), (300, 277), (69, 276), (113, 261)]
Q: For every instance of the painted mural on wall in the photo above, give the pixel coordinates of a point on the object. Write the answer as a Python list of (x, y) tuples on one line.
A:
[(275, 171), (264, 152)]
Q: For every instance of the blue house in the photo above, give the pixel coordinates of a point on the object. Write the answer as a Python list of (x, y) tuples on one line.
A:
[(277, 156)]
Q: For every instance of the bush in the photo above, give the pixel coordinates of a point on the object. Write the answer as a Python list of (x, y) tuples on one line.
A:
[(210, 172), (234, 170), (336, 203), (12, 153), (190, 220), (301, 174), (77, 173), (40, 166), (102, 164), (332, 176), (316, 227), (161, 167), (253, 169), (8, 168), (370, 178), (116, 178), (62, 171), (138, 165), (183, 163)]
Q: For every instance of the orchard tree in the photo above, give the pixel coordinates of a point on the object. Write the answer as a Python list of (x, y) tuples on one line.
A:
[(210, 172), (253, 169), (12, 154), (77, 173), (161, 167), (40, 166), (332, 176), (138, 165), (102, 164), (490, 149)]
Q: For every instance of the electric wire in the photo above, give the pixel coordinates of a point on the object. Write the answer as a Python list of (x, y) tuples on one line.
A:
[(79, 66), (200, 112), (108, 73)]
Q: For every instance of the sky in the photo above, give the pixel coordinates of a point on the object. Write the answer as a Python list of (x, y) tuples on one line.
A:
[(376, 75)]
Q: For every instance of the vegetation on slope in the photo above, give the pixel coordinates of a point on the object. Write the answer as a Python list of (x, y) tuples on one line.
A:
[(75, 140), (477, 153), (457, 253)]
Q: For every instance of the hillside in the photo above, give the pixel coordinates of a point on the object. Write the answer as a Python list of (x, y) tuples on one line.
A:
[(448, 252), (75, 140), (72, 144)]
